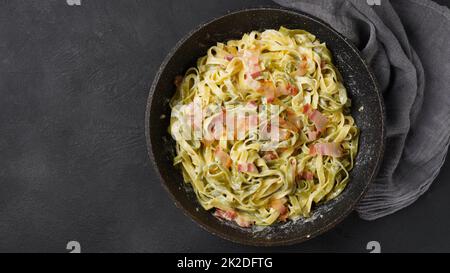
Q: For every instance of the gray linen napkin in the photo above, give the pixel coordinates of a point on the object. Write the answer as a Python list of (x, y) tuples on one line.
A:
[(407, 45)]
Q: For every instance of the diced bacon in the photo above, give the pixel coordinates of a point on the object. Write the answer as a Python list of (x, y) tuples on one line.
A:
[(255, 75), (270, 155), (229, 215), (281, 90), (307, 108), (331, 149), (243, 222), (307, 175), (223, 157), (322, 64), (216, 127), (268, 89), (279, 205), (251, 59), (287, 89), (251, 168), (284, 216), (301, 71), (312, 135), (312, 149), (229, 57), (319, 119), (293, 90), (247, 167), (178, 80)]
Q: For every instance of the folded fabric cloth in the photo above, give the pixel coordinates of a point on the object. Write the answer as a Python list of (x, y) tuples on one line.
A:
[(407, 45)]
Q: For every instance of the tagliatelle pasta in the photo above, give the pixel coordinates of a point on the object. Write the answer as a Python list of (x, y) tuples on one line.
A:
[(263, 129)]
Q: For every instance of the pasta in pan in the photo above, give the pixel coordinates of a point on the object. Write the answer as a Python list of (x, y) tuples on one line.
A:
[(263, 128)]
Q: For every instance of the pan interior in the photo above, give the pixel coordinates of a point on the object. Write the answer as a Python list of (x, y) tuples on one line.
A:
[(367, 110)]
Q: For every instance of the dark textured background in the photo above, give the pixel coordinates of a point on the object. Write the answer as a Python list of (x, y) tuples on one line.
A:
[(73, 162)]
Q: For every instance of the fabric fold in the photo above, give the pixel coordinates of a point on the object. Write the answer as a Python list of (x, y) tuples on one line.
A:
[(406, 43)]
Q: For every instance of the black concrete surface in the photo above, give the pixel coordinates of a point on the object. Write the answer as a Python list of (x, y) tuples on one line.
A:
[(73, 162)]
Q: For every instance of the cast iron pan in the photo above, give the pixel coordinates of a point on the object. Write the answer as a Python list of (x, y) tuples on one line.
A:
[(367, 109)]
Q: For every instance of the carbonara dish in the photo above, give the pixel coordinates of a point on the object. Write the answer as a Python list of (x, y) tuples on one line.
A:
[(262, 127)]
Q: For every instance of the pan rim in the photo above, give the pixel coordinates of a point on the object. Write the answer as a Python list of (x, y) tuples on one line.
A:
[(251, 241)]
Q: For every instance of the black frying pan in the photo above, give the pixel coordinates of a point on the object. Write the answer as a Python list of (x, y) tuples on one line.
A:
[(367, 109)]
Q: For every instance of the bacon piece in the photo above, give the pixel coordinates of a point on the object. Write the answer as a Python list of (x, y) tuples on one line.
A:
[(247, 167), (251, 168), (312, 135), (287, 89), (216, 127), (307, 175), (223, 157), (307, 108), (251, 60), (270, 155), (293, 90), (312, 149), (255, 75), (281, 90), (243, 222), (279, 205), (268, 89), (331, 149), (319, 119), (229, 57), (229, 215), (283, 217)]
